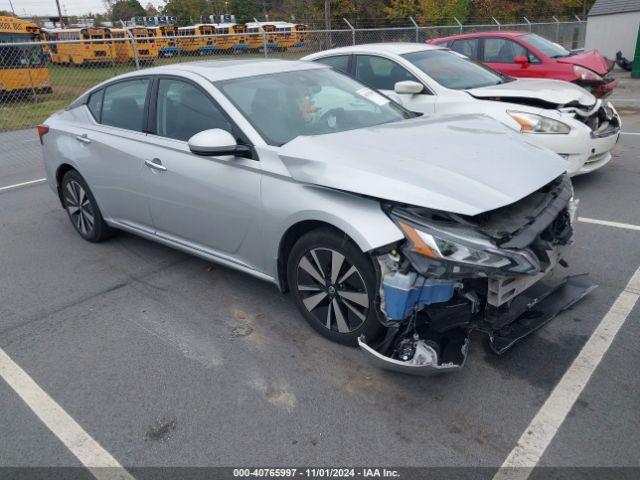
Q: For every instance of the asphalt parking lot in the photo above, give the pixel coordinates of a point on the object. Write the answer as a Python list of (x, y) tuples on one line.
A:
[(166, 360)]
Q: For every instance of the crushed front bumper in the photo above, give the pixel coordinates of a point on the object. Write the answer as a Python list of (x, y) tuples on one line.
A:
[(528, 312), (536, 307), (425, 365)]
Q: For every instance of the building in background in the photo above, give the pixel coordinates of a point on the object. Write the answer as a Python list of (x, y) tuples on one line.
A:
[(612, 26)]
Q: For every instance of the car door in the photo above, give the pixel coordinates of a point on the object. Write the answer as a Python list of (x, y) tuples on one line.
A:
[(208, 203), (500, 54), (112, 140), (383, 73)]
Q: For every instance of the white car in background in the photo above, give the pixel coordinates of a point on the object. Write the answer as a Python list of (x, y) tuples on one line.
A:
[(558, 115)]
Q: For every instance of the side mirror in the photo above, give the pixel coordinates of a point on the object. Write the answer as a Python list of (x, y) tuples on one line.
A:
[(216, 142), (408, 87), (521, 60)]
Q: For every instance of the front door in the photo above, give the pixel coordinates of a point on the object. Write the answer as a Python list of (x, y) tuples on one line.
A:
[(207, 203), (500, 54)]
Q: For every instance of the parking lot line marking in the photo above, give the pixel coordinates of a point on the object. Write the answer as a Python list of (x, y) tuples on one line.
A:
[(607, 223), (99, 462), (544, 426), (630, 133), (23, 184)]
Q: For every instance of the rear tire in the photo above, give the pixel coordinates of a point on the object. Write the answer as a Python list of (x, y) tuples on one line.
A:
[(82, 208), (334, 286)]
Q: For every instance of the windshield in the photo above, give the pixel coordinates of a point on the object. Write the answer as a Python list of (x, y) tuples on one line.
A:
[(550, 49), (454, 70), (283, 106)]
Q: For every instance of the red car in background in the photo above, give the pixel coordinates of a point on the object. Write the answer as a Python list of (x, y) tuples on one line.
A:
[(524, 54)]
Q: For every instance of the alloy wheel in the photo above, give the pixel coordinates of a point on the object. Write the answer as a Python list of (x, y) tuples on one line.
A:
[(332, 290), (79, 207)]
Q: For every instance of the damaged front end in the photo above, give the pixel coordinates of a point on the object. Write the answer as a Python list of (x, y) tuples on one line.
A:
[(500, 272)]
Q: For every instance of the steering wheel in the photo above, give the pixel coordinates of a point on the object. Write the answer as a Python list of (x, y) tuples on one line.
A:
[(332, 117)]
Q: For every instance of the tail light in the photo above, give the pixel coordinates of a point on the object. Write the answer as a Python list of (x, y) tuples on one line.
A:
[(42, 131)]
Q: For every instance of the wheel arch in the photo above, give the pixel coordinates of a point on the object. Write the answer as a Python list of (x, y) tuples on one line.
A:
[(289, 239), (60, 173), (351, 233)]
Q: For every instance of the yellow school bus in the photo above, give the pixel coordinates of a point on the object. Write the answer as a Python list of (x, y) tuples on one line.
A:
[(80, 51), (241, 41), (166, 38), (145, 43), (256, 40), (198, 39), (285, 35), (232, 36), (22, 68), (300, 35)]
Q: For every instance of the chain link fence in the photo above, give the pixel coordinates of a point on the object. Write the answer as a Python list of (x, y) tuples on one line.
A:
[(39, 78)]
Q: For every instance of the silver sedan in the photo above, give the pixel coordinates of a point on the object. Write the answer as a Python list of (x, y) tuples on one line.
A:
[(392, 231)]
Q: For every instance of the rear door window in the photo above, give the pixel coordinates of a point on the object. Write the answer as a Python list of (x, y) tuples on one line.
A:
[(123, 104), (468, 47), (339, 62)]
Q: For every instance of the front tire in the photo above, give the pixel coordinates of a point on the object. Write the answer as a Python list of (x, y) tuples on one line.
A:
[(334, 286), (82, 208)]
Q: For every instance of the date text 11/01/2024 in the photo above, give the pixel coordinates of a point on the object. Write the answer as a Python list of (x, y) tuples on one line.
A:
[(316, 472)]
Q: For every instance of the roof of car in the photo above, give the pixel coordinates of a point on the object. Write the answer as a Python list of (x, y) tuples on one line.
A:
[(494, 33), (215, 70), (397, 48)]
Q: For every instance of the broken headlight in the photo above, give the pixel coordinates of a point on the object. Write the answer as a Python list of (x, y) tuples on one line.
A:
[(586, 75), (439, 250), (532, 123)]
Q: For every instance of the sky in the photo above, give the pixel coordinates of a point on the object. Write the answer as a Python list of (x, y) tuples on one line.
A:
[(69, 7)]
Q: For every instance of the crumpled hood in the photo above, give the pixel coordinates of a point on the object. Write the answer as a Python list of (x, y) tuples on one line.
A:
[(465, 164), (553, 91), (592, 59)]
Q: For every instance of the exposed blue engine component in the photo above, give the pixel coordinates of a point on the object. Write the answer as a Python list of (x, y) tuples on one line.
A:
[(405, 293)]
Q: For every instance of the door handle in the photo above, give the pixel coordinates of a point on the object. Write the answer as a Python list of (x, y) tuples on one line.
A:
[(83, 138), (155, 164)]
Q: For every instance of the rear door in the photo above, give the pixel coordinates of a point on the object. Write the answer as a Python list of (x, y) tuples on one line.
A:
[(207, 203), (112, 142), (341, 63)]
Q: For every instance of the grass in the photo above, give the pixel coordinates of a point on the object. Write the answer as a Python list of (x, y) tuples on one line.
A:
[(69, 82)]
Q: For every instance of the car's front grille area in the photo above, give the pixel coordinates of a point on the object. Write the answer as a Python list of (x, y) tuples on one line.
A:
[(603, 122)]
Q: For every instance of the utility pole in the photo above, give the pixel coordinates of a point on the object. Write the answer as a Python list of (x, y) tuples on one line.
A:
[(60, 14), (327, 23), (327, 14)]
